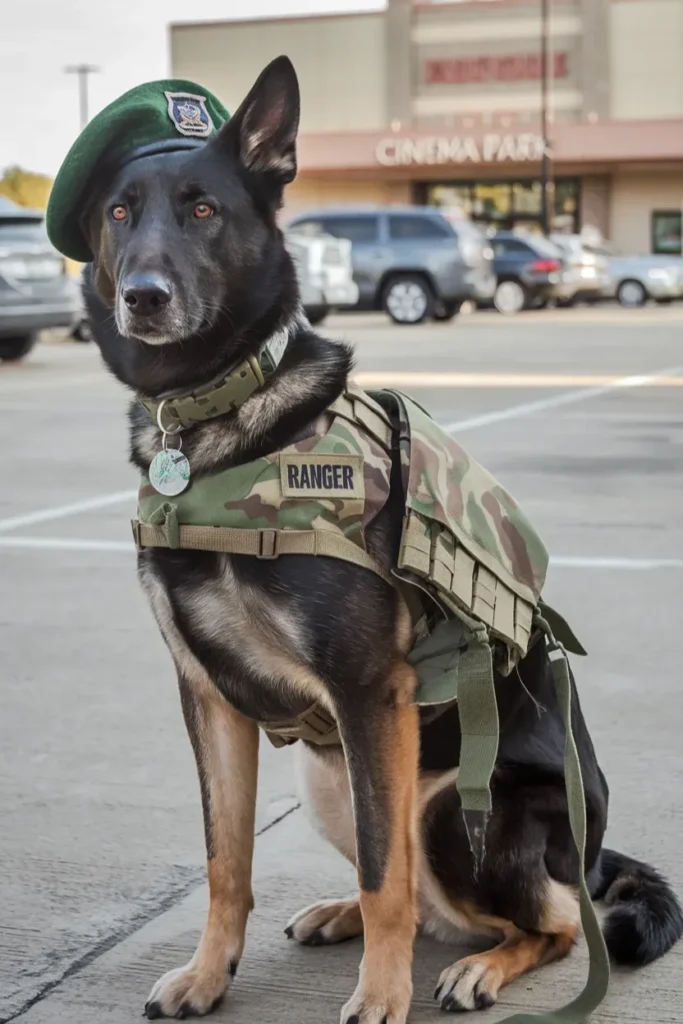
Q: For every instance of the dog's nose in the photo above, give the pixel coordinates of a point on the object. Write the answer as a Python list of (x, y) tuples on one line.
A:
[(146, 294)]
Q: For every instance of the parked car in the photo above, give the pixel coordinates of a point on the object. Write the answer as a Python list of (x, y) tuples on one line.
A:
[(36, 290), (528, 271), (325, 272), (585, 275), (635, 279), (410, 261)]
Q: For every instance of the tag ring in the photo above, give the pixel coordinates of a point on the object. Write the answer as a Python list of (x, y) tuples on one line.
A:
[(162, 428)]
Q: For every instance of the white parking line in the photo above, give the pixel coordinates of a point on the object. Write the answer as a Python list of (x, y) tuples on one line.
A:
[(67, 544), (127, 547), (498, 416), (554, 401), (61, 511)]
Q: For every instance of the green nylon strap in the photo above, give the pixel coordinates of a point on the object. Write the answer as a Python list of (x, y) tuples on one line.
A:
[(222, 396), (478, 713), (597, 984)]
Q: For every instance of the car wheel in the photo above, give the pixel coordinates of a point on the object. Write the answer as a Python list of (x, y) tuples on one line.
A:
[(631, 294), (316, 314), (16, 347), (510, 297), (82, 331), (408, 299), (447, 310)]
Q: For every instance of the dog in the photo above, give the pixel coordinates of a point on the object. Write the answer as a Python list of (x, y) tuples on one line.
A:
[(189, 257)]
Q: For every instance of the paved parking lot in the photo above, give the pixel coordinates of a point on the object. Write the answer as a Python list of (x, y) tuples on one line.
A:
[(579, 413)]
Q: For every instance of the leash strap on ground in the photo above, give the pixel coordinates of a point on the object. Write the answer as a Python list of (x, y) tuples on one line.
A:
[(597, 984)]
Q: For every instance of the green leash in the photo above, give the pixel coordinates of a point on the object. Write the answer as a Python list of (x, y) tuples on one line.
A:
[(479, 725), (597, 984)]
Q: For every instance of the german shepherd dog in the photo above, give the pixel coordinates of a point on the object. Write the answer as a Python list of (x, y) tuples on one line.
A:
[(188, 255)]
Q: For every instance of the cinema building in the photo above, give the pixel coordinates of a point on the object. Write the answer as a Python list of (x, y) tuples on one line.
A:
[(439, 102)]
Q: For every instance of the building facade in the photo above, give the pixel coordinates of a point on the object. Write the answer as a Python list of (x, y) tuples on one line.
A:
[(440, 102)]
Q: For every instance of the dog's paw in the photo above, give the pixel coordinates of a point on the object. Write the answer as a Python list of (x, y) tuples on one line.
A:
[(325, 923), (470, 984), (186, 992), (391, 1008)]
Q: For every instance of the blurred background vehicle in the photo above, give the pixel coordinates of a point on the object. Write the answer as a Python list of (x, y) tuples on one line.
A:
[(528, 269), (585, 274), (36, 290), (325, 271), (635, 279), (411, 261)]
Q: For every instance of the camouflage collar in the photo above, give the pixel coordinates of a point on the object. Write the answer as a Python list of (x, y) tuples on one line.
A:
[(223, 395)]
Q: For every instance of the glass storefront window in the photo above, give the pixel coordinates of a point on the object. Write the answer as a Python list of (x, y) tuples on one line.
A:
[(667, 234), (507, 204), (491, 202), (527, 197), (455, 196)]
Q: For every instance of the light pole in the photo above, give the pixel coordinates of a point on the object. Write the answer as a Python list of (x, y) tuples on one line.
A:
[(546, 165), (83, 71)]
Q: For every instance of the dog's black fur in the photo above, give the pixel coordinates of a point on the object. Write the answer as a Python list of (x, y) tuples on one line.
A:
[(214, 288)]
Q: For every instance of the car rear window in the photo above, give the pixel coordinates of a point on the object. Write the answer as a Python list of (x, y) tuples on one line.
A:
[(411, 227), (544, 247), (356, 229), (20, 229), (506, 245)]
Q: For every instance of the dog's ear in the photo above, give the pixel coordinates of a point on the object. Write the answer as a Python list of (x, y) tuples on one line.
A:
[(100, 277), (263, 130)]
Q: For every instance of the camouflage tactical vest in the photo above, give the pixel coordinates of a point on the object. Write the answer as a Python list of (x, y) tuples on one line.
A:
[(470, 565)]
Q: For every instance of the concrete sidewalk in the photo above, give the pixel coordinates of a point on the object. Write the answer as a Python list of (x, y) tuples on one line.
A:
[(279, 981)]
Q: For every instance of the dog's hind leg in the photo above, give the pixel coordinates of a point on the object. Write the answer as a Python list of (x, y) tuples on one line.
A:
[(380, 733), (512, 898), (226, 750), (474, 982)]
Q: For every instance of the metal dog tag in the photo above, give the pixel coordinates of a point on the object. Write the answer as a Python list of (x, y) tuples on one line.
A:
[(169, 472)]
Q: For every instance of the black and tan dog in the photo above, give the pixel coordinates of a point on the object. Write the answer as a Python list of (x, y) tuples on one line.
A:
[(189, 256)]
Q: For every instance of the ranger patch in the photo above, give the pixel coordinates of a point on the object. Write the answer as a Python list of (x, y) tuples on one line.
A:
[(189, 114), (322, 476)]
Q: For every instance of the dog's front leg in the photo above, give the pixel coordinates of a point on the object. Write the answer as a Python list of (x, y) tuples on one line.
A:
[(226, 750), (380, 734)]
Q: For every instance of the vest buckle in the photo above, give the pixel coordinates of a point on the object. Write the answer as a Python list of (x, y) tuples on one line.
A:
[(267, 544)]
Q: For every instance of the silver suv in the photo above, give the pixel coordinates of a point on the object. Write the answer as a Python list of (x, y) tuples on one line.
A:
[(410, 261), (36, 290)]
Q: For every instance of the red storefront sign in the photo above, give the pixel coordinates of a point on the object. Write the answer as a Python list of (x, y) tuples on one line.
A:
[(517, 68)]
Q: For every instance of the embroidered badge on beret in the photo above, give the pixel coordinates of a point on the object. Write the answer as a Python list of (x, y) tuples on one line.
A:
[(189, 114)]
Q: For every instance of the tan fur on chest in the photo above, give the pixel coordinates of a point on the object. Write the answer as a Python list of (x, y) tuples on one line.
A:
[(272, 640)]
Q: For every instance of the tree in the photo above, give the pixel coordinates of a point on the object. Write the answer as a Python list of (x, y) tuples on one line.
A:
[(25, 187)]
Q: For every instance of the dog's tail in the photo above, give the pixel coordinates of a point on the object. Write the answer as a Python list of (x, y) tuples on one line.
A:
[(645, 919)]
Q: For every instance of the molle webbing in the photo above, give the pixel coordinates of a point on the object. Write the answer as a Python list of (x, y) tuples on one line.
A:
[(432, 552), (357, 407), (266, 544)]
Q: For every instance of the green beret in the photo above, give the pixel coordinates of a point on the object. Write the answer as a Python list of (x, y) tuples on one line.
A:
[(171, 114)]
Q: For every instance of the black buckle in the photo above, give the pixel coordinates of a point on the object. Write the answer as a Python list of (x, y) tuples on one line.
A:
[(267, 544), (135, 524)]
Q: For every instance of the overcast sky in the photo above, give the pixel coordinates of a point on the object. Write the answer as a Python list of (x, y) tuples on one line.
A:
[(127, 38)]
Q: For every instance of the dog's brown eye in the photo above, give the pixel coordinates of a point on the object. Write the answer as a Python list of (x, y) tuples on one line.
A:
[(119, 212), (203, 210)]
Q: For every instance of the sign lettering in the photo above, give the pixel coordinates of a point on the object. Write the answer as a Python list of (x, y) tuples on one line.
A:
[(458, 149), (523, 67)]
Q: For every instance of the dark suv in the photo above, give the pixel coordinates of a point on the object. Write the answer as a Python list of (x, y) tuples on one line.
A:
[(410, 261), (529, 270)]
